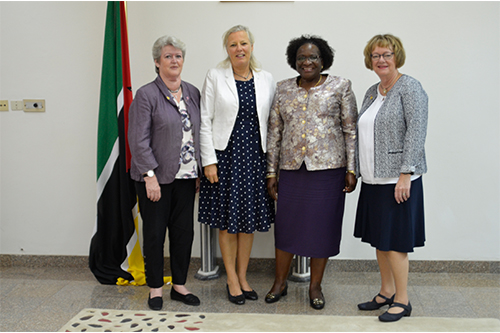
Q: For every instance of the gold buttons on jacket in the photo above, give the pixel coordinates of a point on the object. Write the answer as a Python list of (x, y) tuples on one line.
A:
[(303, 121), (303, 149), (304, 108), (303, 136)]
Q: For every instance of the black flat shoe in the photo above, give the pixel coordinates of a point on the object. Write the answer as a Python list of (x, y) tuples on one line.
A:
[(272, 298), (240, 299), (251, 295), (155, 303), (318, 303), (373, 305), (390, 317), (188, 299)]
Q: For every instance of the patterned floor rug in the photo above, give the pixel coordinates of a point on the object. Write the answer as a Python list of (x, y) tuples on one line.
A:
[(99, 320)]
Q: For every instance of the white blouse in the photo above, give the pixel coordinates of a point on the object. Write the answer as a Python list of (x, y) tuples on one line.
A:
[(366, 131)]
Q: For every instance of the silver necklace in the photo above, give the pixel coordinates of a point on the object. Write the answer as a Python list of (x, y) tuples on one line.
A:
[(174, 91), (245, 77)]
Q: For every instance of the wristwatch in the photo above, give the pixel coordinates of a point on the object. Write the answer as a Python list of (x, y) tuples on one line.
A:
[(150, 173)]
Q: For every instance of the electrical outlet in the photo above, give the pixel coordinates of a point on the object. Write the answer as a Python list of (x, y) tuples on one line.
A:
[(16, 105), (4, 105), (34, 105)]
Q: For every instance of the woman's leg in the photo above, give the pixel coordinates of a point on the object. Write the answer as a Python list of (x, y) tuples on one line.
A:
[(400, 267), (180, 231), (229, 249), (283, 262), (245, 242), (317, 270), (154, 217), (388, 287)]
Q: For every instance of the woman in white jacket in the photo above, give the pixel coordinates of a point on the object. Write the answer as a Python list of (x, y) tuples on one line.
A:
[(235, 102)]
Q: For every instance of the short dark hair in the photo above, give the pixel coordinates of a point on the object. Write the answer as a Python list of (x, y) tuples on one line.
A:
[(326, 52)]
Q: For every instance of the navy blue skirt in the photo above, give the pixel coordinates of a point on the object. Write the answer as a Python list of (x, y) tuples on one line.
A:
[(309, 212), (387, 225)]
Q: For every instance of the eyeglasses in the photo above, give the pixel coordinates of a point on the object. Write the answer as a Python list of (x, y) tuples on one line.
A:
[(386, 56), (312, 58)]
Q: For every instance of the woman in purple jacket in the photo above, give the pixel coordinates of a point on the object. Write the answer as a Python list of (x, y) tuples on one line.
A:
[(164, 130)]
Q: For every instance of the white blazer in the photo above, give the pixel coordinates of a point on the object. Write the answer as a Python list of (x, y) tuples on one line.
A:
[(219, 106)]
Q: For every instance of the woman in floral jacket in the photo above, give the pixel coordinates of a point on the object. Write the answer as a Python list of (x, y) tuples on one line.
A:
[(311, 154)]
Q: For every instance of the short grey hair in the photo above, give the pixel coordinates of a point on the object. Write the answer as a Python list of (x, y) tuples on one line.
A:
[(254, 64), (164, 41)]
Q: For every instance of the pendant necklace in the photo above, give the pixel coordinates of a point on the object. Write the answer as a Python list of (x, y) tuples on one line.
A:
[(245, 77), (392, 82)]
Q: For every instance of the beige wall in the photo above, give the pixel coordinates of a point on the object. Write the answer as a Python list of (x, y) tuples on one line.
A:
[(53, 51)]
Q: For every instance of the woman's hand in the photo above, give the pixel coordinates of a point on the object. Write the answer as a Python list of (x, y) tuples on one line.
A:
[(350, 182), (198, 185), (153, 188), (211, 173), (272, 187), (402, 190)]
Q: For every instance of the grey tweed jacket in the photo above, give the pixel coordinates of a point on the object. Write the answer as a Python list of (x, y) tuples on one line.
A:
[(400, 129)]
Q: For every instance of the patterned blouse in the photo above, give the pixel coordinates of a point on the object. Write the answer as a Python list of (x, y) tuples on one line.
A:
[(316, 127), (187, 161)]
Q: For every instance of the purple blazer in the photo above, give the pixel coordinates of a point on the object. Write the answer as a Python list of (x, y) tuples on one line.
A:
[(155, 130)]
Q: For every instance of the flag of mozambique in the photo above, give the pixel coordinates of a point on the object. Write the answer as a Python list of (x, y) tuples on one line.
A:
[(115, 254)]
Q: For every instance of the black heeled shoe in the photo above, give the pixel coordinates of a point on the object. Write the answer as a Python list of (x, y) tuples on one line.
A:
[(272, 298), (188, 299), (318, 303), (240, 299), (390, 317), (373, 305), (155, 303), (251, 295)]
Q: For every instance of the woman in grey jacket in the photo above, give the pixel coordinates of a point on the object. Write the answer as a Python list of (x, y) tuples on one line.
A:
[(164, 136), (391, 135)]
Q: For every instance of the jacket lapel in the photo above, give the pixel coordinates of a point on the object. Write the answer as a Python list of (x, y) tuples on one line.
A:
[(164, 90), (258, 93), (369, 99), (230, 82)]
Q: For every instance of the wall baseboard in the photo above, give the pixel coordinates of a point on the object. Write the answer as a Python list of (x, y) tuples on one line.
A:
[(334, 265)]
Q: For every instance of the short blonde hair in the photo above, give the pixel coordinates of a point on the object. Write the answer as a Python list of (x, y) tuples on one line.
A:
[(226, 63), (389, 41)]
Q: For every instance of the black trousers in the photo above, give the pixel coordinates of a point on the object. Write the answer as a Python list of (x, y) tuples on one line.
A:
[(173, 211)]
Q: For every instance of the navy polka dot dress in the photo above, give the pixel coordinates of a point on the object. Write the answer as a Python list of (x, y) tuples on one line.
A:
[(239, 202)]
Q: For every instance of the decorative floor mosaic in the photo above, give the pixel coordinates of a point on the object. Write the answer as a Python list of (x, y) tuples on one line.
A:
[(98, 320)]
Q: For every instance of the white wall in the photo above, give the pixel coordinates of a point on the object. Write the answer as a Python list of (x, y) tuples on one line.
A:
[(53, 51)]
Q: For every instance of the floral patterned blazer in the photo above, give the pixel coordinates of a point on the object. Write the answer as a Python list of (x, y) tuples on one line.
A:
[(316, 127)]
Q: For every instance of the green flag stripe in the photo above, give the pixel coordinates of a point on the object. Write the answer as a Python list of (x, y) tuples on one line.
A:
[(111, 85)]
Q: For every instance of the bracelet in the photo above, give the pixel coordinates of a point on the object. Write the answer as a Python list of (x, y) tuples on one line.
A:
[(351, 171), (271, 175)]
